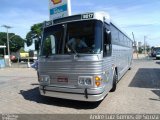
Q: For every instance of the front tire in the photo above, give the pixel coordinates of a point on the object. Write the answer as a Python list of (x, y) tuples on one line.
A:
[(114, 86)]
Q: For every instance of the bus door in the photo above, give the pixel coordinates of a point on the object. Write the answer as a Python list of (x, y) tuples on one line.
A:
[(107, 53)]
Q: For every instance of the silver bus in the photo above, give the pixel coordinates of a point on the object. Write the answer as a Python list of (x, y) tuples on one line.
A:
[(87, 72)]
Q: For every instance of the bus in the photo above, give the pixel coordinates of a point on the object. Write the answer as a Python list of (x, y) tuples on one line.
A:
[(88, 73), (154, 51)]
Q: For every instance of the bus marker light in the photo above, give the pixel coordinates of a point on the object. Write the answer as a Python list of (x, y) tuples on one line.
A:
[(98, 84), (97, 78)]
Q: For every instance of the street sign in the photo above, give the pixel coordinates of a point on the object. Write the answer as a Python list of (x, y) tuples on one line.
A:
[(2, 46), (59, 8)]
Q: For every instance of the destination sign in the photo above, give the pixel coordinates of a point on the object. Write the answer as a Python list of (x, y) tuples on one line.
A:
[(88, 16)]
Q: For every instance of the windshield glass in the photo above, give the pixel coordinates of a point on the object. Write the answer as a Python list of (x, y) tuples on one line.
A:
[(83, 37), (52, 39)]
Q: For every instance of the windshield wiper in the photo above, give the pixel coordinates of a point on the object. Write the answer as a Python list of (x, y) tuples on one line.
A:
[(72, 49)]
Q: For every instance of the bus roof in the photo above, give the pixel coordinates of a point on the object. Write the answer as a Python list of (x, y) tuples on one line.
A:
[(102, 16)]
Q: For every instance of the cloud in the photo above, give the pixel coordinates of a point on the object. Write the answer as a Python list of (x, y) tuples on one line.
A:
[(22, 20), (82, 4), (22, 14), (141, 25), (141, 17)]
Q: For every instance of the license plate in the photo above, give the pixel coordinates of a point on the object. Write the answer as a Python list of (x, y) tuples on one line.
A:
[(62, 79)]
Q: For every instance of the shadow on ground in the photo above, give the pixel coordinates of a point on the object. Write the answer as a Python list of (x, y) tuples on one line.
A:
[(157, 92), (158, 63), (34, 95), (146, 78)]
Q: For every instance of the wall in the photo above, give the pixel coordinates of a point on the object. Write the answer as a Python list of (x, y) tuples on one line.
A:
[(2, 63)]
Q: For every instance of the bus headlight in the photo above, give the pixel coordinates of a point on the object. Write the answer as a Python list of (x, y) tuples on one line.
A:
[(85, 80), (45, 79)]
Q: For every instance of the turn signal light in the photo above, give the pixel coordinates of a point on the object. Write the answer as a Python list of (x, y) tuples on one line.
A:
[(98, 84), (97, 78), (97, 81)]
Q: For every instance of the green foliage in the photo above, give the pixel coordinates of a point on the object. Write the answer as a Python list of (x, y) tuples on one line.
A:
[(22, 50), (34, 34), (15, 41), (148, 48), (140, 50), (47, 48)]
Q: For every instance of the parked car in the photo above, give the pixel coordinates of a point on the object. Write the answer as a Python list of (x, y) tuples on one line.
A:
[(13, 58), (158, 55)]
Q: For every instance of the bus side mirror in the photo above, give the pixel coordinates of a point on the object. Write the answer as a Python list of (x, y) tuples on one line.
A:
[(37, 45)]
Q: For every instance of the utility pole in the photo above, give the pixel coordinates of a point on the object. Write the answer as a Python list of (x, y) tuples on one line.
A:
[(144, 45), (135, 45), (4, 49), (8, 46)]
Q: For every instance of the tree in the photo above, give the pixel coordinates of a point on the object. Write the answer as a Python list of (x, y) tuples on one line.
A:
[(148, 48), (15, 41), (140, 50), (34, 34)]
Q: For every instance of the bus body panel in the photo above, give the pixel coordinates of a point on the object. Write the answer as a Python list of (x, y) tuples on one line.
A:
[(69, 69), (72, 69), (74, 95), (122, 58)]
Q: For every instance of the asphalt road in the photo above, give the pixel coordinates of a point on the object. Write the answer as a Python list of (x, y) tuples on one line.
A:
[(137, 92)]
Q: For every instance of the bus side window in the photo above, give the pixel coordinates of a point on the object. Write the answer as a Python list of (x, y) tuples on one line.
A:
[(107, 47)]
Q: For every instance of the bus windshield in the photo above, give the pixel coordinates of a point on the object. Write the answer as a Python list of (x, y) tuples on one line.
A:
[(82, 37)]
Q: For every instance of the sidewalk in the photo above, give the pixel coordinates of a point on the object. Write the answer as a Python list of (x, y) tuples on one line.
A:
[(140, 56)]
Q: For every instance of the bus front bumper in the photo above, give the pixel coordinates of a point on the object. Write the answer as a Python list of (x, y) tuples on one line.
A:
[(90, 95)]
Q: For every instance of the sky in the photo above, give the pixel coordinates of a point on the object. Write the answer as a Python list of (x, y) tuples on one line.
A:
[(142, 17)]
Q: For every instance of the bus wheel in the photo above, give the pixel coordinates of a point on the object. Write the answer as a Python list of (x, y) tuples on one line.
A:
[(115, 77), (129, 68)]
